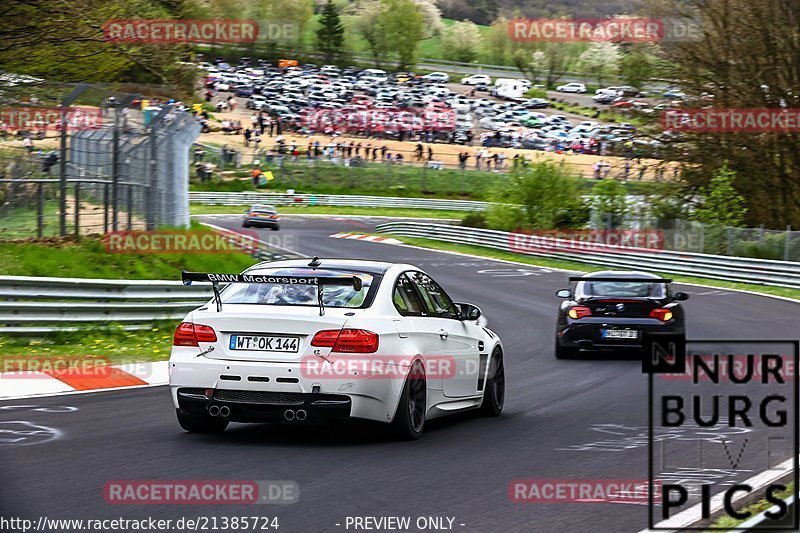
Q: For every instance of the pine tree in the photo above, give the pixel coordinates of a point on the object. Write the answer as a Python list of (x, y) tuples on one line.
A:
[(330, 34)]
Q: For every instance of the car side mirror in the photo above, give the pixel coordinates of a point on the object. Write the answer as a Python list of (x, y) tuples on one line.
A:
[(680, 296), (468, 312), (564, 293)]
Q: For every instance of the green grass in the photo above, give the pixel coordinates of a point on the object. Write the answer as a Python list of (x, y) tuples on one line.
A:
[(582, 267), (754, 508), (373, 180), (87, 258), (380, 180), (18, 222), (201, 209), (94, 342)]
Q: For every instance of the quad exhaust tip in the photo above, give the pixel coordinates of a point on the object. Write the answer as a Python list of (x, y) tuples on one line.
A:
[(213, 410), (301, 415), (288, 415)]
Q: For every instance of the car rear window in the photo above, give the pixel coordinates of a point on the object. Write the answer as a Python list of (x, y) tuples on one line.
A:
[(621, 289), (297, 295)]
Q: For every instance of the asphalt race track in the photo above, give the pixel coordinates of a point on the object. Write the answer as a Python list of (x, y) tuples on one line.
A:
[(577, 419)]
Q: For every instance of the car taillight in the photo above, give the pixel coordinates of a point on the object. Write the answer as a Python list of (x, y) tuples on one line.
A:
[(274, 216), (579, 311), (347, 340), (661, 314), (189, 334), (204, 333)]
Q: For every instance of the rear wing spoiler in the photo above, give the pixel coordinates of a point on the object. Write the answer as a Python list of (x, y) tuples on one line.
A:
[(622, 279), (315, 281)]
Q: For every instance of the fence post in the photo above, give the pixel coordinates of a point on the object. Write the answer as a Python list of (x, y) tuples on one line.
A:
[(130, 207), (105, 207), (40, 211), (115, 170), (62, 166), (787, 243), (153, 199), (77, 208)]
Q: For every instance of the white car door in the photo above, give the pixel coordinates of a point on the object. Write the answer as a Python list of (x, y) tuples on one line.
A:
[(459, 341), (419, 329)]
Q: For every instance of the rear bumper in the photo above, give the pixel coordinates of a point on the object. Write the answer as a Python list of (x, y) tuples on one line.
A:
[(254, 406), (265, 222), (262, 391), (589, 337)]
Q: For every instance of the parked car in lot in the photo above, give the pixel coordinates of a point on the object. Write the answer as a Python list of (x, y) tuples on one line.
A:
[(476, 79), (536, 103), (437, 77), (256, 102), (572, 88)]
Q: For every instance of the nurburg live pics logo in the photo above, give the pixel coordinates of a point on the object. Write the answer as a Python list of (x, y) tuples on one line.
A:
[(724, 392)]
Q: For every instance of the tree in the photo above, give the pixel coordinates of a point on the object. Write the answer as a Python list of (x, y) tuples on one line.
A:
[(636, 67), (739, 57), (401, 23), (431, 18), (600, 60), (498, 46), (721, 204), (609, 201), (296, 14), (549, 198), (330, 33), (367, 24), (462, 41), (533, 65)]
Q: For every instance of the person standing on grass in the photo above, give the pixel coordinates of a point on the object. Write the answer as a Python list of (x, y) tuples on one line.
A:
[(27, 143), (254, 120), (383, 151), (232, 103), (255, 173), (478, 157), (418, 152), (271, 124), (430, 153), (247, 134), (358, 150), (501, 161)]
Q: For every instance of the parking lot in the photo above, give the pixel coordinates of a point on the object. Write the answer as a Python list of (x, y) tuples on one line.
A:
[(372, 103)]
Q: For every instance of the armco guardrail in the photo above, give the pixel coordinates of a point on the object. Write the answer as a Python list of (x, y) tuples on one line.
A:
[(761, 522), (35, 305), (248, 198), (742, 269)]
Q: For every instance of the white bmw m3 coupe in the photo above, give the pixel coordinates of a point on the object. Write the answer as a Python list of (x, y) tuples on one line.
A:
[(297, 341)]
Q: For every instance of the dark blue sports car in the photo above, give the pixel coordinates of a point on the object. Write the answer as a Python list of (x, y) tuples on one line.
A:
[(609, 311)]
